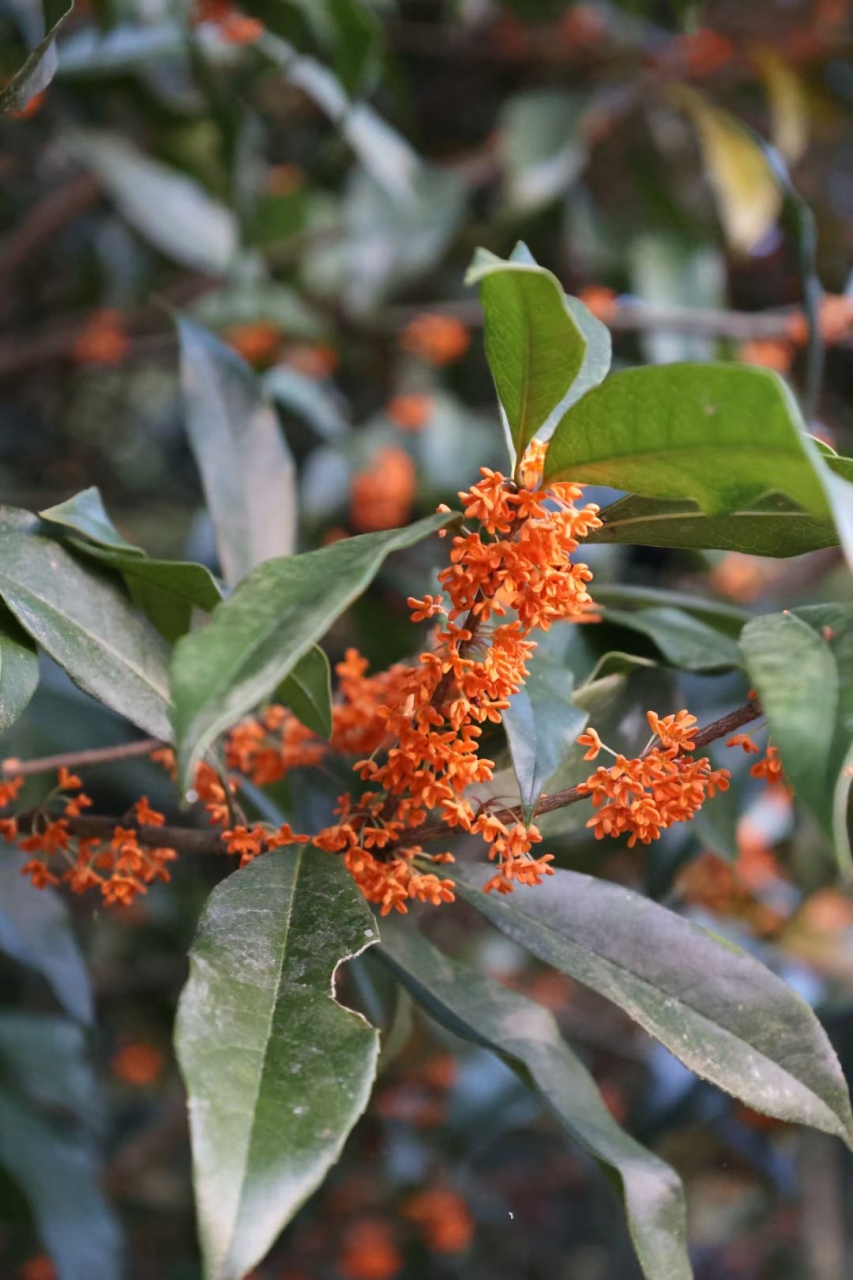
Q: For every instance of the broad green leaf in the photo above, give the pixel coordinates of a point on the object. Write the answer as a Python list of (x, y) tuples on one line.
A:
[(40, 64), (749, 198), (598, 355), (167, 591), (382, 151), (684, 641), (542, 148), (534, 345), (308, 692), (386, 240), (165, 205), (277, 1072), (773, 526), (255, 638), (720, 435), (667, 270), (796, 678), (19, 670), (541, 724), (245, 466), (296, 393), (46, 1144), (728, 618), (802, 666), (715, 1007), (79, 614), (85, 515), (527, 1037), (35, 930)]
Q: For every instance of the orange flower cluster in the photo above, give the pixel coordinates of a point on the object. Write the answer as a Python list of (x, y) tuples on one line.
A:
[(137, 1063), (443, 1217), (436, 339), (770, 769), (519, 560), (103, 340), (410, 412), (119, 866), (370, 1251), (666, 784), (233, 26), (383, 493)]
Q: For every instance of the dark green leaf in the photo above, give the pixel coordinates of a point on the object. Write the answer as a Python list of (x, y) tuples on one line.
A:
[(719, 1010), (684, 641), (722, 435), (534, 345), (541, 725), (84, 514), (308, 692), (796, 678), (40, 64), (255, 638), (528, 1038), (773, 526), (276, 1070), (166, 590), (246, 470), (296, 393), (19, 670), (46, 1144), (165, 205), (35, 930), (358, 41), (81, 617), (728, 618)]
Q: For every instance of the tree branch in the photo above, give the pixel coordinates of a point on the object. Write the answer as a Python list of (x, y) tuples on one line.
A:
[(188, 840), (79, 759)]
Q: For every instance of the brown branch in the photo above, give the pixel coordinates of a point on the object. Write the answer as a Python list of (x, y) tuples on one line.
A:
[(634, 317), (58, 207), (571, 795), (79, 759), (188, 840)]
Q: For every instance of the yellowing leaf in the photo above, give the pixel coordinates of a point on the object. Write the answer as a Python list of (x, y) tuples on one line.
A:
[(748, 196), (789, 115)]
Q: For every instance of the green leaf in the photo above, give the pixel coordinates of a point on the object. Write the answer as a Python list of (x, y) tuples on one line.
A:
[(276, 1070), (308, 692), (167, 591), (47, 1147), (690, 432), (796, 678), (527, 1037), (81, 617), (165, 205), (298, 394), (802, 667), (772, 527), (719, 1010), (255, 638), (542, 149), (84, 514), (541, 724), (728, 618), (684, 641), (534, 345), (245, 466), (19, 670), (35, 930), (40, 64)]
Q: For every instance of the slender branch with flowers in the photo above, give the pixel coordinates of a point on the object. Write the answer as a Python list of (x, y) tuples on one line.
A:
[(415, 731)]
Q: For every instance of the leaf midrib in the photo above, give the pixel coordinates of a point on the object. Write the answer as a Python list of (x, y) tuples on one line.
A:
[(120, 657), (681, 1003), (263, 1052)]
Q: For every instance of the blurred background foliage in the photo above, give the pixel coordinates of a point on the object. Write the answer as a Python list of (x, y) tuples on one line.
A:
[(309, 179)]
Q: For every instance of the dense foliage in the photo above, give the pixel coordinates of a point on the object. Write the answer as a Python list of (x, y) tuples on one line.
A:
[(507, 729)]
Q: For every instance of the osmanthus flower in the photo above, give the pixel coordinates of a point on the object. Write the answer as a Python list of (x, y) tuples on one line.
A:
[(414, 731), (643, 796)]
